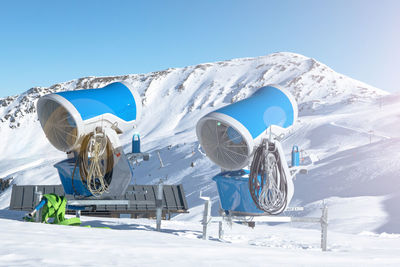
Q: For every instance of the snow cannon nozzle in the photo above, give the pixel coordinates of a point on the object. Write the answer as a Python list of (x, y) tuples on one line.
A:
[(229, 134)]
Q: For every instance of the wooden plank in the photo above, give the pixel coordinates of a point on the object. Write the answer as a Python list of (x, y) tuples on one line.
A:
[(152, 194), (12, 199), (182, 197), (179, 204), (134, 197), (149, 196), (58, 190), (139, 195), (16, 197), (49, 189), (101, 208), (169, 198), (110, 207), (27, 199)]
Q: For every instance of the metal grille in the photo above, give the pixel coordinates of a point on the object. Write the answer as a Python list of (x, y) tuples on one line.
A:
[(58, 125), (224, 145)]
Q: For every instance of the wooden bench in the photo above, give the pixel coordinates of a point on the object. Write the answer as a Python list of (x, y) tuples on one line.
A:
[(174, 201)]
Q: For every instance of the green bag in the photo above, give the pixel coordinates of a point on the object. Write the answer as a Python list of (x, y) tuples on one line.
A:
[(55, 208)]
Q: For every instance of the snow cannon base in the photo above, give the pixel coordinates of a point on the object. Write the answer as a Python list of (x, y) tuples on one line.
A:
[(70, 180), (234, 194), (69, 172)]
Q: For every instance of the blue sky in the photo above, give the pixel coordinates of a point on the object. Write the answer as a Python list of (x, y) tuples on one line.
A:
[(45, 42)]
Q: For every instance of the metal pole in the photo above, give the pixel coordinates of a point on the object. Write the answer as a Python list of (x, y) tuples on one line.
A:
[(206, 217), (160, 159), (38, 198), (159, 204), (220, 231), (78, 213), (324, 228)]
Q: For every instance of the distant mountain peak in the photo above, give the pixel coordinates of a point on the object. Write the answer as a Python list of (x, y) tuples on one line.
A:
[(217, 83)]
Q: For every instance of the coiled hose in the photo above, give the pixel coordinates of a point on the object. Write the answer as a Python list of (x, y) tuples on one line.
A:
[(96, 172), (267, 179)]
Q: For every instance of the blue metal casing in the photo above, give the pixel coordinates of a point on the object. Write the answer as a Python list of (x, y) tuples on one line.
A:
[(268, 106), (66, 172), (234, 194), (115, 99)]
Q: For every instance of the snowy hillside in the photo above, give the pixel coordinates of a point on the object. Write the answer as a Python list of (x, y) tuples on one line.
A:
[(349, 126)]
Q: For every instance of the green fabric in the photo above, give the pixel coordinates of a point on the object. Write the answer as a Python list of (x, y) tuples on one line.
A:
[(55, 208)]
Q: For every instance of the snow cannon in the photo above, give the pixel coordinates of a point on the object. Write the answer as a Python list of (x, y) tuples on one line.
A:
[(247, 134), (66, 117), (229, 134), (86, 124)]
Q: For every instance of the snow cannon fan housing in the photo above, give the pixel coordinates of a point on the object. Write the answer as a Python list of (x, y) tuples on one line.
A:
[(229, 134), (66, 117), (87, 123)]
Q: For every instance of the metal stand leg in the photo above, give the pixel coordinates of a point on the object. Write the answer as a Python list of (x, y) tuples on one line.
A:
[(324, 228), (206, 217), (159, 205), (38, 198), (220, 231)]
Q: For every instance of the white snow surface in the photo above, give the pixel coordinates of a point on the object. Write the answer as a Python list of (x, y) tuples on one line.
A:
[(351, 129), (136, 243)]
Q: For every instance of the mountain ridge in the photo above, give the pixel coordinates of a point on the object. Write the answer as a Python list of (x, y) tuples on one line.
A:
[(339, 119), (265, 67)]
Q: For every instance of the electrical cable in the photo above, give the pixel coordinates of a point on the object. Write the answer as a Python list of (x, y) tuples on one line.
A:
[(267, 179), (95, 172)]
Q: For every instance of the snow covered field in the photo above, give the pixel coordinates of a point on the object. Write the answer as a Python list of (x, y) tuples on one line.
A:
[(350, 129), (135, 243)]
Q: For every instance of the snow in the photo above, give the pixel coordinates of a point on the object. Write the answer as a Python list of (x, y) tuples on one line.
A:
[(348, 128), (136, 243)]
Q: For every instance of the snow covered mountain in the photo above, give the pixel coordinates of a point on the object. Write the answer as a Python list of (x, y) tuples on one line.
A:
[(348, 126)]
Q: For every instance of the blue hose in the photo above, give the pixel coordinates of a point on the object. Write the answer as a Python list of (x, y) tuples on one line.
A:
[(41, 204)]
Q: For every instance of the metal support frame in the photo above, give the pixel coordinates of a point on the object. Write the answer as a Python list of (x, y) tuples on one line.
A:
[(160, 190), (206, 216), (207, 219), (220, 230), (38, 198), (100, 202), (324, 228)]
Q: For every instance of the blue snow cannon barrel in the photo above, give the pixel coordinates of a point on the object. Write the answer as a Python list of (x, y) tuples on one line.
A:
[(67, 116), (229, 134), (136, 143), (295, 156)]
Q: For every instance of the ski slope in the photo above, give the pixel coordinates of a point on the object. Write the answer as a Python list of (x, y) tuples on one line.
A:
[(351, 129), (135, 243)]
